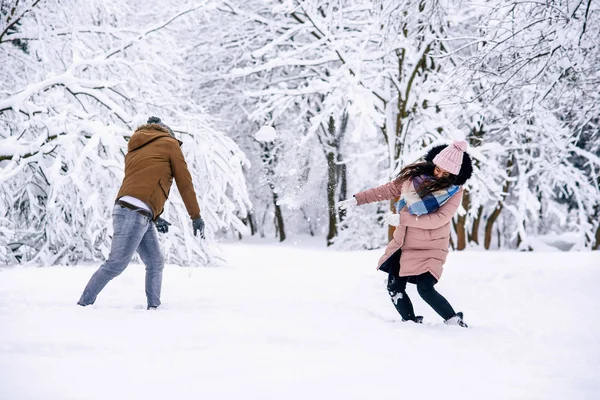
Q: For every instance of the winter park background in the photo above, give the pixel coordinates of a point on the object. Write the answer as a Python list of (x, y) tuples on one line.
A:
[(286, 107)]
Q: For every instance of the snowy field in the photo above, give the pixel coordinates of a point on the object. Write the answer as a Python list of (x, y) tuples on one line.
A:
[(303, 322)]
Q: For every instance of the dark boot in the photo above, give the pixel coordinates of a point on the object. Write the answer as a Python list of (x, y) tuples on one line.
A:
[(457, 319), (418, 320)]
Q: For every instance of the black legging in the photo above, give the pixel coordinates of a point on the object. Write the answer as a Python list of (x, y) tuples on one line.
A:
[(425, 282)]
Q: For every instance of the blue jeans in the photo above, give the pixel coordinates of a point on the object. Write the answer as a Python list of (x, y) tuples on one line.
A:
[(132, 231)]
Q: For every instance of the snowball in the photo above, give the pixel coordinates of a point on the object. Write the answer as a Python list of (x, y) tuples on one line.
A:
[(265, 134)]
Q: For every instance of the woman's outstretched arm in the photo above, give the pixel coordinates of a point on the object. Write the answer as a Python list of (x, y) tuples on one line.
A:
[(384, 192)]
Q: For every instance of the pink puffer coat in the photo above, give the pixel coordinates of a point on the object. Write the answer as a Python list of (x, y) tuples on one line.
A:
[(424, 240)]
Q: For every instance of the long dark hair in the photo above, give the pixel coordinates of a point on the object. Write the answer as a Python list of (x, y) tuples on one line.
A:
[(429, 185)]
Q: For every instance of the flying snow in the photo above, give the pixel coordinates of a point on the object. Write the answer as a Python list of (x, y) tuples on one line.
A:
[(266, 134)]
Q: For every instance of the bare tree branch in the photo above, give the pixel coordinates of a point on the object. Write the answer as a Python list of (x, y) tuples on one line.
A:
[(587, 11), (156, 29), (16, 20)]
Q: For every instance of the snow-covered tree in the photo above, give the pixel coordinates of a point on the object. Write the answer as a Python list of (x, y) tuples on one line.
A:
[(76, 82), (354, 89), (330, 73), (515, 79), (526, 79)]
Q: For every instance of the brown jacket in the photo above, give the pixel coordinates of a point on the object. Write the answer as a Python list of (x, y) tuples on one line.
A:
[(424, 240), (154, 158)]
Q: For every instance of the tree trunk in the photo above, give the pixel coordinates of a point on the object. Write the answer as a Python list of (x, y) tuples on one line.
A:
[(278, 218), (270, 159), (306, 217), (595, 243), (343, 180), (475, 139), (489, 225), (249, 222), (474, 236), (246, 221), (341, 176), (391, 228), (461, 231), (331, 185), (461, 237), (252, 223)]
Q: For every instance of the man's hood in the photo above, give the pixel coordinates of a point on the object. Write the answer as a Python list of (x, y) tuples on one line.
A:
[(147, 133)]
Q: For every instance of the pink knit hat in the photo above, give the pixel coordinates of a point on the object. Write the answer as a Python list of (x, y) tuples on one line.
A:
[(451, 157)]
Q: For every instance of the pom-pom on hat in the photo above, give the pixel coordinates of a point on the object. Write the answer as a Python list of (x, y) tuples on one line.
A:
[(451, 157), (156, 120)]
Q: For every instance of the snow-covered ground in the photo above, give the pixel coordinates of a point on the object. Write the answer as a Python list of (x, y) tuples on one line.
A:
[(301, 322)]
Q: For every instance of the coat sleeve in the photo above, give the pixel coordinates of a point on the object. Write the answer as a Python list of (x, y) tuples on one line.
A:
[(435, 219), (384, 192), (184, 181)]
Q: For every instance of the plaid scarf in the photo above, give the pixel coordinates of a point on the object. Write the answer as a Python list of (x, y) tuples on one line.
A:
[(418, 205)]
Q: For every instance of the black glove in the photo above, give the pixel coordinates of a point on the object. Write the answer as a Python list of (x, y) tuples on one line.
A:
[(162, 225), (198, 224)]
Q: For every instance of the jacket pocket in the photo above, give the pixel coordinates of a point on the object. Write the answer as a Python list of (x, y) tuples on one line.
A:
[(162, 185)]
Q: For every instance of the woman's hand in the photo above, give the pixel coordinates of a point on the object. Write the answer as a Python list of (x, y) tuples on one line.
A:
[(346, 204), (392, 219)]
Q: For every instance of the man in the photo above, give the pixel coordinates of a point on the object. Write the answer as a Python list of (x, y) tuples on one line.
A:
[(153, 159)]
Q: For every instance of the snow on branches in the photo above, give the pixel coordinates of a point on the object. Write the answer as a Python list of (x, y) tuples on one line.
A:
[(76, 82)]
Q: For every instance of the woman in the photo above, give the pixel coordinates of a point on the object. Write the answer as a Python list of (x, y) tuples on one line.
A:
[(430, 192)]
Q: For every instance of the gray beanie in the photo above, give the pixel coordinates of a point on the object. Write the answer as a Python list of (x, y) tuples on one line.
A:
[(156, 120)]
